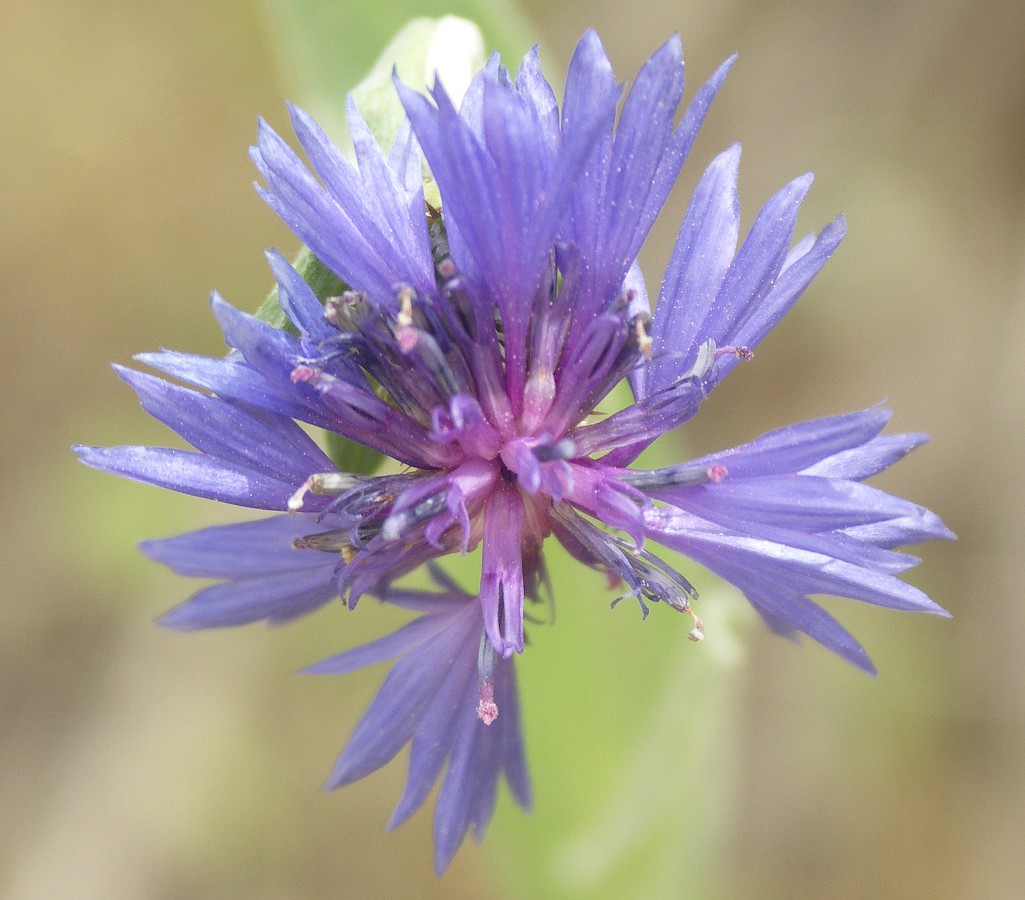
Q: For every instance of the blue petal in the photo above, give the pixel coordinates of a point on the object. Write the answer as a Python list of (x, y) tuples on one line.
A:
[(277, 598), (758, 262), (799, 502), (797, 447), (437, 732), (395, 202), (493, 183), (263, 547), (299, 302), (360, 227), (514, 759), (761, 317), (744, 559), (247, 438), (273, 352), (397, 709), (922, 525), (703, 253), (869, 459), (398, 643), (784, 612), (533, 86), (627, 177), (468, 767), (232, 379), (191, 473), (645, 158)]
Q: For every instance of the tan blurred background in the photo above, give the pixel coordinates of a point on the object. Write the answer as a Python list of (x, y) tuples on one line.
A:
[(138, 763)]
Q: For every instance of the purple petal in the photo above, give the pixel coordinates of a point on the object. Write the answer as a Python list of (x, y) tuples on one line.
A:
[(232, 379), (277, 598), (299, 302), (501, 580), (799, 502), (786, 612), (191, 473), (252, 439), (743, 559), (360, 227), (700, 261), (869, 459), (398, 643), (797, 447), (263, 547)]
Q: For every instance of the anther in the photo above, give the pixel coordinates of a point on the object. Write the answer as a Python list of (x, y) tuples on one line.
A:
[(337, 541), (341, 311), (405, 317), (674, 476), (325, 484), (331, 305), (562, 449), (644, 341), (407, 339), (697, 633)]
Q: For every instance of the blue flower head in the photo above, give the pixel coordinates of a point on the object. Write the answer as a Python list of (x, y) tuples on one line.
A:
[(473, 345)]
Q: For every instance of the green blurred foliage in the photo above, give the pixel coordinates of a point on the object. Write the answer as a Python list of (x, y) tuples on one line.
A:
[(326, 47)]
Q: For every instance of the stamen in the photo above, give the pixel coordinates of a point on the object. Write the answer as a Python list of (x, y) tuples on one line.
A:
[(329, 484), (744, 354), (337, 541), (398, 521), (562, 449), (345, 311), (433, 359), (674, 476), (405, 316), (487, 709), (644, 341), (697, 633)]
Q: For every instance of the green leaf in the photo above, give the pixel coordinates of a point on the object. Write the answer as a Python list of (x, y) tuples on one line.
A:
[(318, 276), (327, 46), (350, 456)]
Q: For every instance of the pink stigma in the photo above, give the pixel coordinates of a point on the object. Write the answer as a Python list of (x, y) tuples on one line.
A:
[(716, 472), (487, 709), (742, 353), (407, 339), (304, 373)]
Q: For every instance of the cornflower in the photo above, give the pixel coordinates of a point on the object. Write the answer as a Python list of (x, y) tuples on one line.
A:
[(473, 345)]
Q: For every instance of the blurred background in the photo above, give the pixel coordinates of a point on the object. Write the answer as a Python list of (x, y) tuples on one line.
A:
[(136, 762)]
